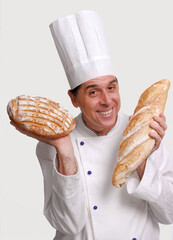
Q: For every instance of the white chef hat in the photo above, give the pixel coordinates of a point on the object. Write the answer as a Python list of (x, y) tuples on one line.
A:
[(82, 47)]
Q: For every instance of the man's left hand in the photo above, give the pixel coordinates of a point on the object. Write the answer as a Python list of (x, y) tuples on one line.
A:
[(157, 133), (159, 127)]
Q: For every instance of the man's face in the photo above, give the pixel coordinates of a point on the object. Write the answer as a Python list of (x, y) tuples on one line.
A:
[(99, 101)]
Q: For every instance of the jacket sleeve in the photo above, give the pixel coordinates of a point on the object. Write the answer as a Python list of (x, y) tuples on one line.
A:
[(64, 201), (156, 186)]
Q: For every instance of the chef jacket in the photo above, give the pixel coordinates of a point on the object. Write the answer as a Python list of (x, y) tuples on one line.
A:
[(86, 206)]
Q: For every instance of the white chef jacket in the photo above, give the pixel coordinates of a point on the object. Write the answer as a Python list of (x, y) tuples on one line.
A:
[(86, 206)]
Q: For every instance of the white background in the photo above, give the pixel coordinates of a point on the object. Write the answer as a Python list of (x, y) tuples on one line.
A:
[(140, 39)]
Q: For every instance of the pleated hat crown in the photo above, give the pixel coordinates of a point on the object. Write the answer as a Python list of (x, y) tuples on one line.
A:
[(81, 43)]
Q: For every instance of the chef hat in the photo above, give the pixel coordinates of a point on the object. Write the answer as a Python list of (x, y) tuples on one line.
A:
[(82, 47)]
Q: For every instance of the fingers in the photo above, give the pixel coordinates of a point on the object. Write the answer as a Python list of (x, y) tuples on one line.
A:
[(51, 141), (161, 120), (158, 129), (23, 131), (153, 134)]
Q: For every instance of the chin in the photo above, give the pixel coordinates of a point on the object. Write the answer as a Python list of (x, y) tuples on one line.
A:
[(108, 124), (109, 121)]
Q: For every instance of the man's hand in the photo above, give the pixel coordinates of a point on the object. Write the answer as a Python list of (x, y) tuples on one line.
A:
[(50, 141), (157, 133), (159, 127), (67, 164)]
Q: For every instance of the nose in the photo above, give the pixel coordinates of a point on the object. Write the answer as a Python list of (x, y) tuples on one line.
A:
[(105, 98)]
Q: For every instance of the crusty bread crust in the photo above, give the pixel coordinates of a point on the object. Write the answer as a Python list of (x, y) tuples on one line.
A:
[(136, 145), (40, 116)]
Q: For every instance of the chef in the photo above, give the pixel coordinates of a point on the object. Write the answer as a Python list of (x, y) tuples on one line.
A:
[(80, 201)]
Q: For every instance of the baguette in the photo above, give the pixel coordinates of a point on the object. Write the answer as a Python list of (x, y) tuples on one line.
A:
[(136, 145), (40, 116)]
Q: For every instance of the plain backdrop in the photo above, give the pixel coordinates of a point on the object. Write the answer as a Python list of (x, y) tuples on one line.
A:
[(140, 38)]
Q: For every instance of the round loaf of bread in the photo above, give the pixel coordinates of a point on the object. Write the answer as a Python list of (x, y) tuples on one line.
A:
[(40, 116)]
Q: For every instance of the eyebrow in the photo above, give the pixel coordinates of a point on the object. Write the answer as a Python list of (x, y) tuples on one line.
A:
[(94, 85)]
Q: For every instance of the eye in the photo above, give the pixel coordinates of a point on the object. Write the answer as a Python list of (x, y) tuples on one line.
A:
[(92, 92), (111, 87)]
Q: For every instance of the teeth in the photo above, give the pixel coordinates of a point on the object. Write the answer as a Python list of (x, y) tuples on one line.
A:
[(107, 112)]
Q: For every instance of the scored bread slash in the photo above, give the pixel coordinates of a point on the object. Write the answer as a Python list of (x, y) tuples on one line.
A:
[(40, 116)]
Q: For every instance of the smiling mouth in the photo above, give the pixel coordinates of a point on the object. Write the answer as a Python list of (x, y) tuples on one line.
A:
[(106, 112)]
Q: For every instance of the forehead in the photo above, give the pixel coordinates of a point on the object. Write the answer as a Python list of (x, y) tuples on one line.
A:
[(99, 82)]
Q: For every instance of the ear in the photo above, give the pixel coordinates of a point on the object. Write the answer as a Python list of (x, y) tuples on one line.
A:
[(73, 99)]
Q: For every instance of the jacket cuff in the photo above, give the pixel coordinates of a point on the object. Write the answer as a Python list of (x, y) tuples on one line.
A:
[(65, 186), (149, 188)]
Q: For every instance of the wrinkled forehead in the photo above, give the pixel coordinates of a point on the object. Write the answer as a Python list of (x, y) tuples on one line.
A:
[(100, 81)]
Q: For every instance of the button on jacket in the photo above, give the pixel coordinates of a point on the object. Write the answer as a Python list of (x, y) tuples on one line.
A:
[(86, 206)]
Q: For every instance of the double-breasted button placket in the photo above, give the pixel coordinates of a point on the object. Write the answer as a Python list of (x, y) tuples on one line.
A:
[(89, 172)]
